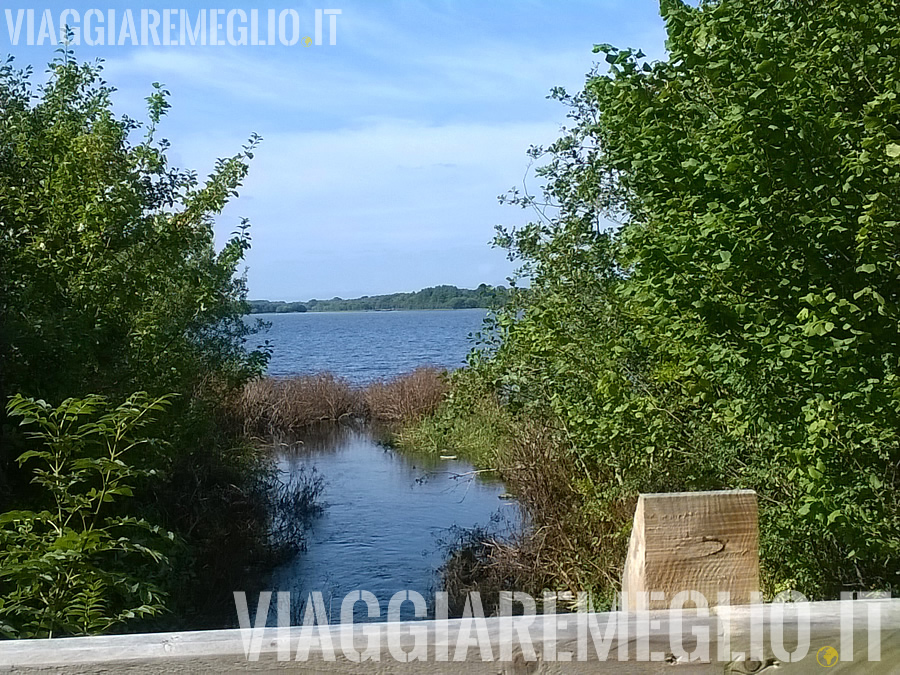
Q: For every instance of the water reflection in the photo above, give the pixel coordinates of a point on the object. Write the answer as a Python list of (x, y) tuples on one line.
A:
[(317, 439), (385, 512)]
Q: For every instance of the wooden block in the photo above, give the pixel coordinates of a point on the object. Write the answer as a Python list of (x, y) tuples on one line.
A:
[(692, 541)]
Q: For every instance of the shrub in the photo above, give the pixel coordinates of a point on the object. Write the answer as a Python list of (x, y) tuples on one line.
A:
[(111, 283), (713, 284), (81, 564)]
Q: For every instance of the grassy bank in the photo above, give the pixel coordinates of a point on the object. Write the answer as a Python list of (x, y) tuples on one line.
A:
[(559, 547), (430, 411)]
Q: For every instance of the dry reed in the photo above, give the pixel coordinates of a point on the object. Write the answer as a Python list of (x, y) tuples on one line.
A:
[(406, 398), (567, 545), (271, 405), (274, 405)]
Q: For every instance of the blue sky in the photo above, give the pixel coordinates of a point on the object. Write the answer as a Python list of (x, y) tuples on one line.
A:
[(383, 155)]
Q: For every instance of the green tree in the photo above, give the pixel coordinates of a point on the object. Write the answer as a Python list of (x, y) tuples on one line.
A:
[(111, 283), (739, 326), (110, 279)]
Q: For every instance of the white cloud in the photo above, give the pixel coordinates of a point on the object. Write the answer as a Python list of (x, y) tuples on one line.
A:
[(383, 156), (416, 183), (391, 195)]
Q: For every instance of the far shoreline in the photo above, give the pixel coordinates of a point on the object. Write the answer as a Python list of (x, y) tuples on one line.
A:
[(374, 311), (431, 298)]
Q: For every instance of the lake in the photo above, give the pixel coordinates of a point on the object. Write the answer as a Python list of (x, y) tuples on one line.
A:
[(386, 513), (363, 346)]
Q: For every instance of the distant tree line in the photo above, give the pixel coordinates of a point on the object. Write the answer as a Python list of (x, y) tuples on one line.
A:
[(436, 297), (278, 306)]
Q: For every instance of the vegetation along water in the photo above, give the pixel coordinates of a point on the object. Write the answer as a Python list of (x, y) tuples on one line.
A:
[(712, 302)]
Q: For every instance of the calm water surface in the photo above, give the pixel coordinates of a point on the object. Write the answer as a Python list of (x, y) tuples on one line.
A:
[(385, 518), (363, 346), (386, 513)]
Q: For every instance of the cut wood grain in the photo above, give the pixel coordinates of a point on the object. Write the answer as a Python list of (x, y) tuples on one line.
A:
[(705, 542)]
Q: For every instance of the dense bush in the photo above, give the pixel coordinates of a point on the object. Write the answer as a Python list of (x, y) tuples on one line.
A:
[(111, 283), (738, 326), (81, 564)]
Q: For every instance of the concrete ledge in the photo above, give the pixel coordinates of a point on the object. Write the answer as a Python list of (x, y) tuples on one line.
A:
[(636, 642)]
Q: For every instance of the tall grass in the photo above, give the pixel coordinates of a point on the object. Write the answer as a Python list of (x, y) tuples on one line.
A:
[(558, 549), (406, 398), (271, 405), (475, 435), (281, 405)]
